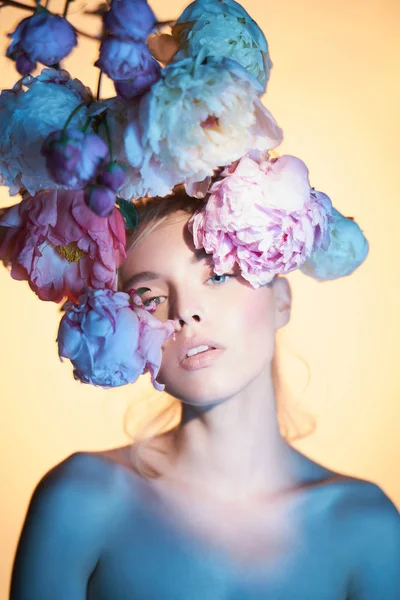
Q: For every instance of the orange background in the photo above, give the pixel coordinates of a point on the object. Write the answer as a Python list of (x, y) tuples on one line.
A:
[(334, 89)]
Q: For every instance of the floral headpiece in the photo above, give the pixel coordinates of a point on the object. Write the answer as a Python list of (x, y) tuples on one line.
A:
[(187, 110)]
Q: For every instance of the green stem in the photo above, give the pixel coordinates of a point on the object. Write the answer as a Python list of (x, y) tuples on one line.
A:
[(4, 3), (73, 114), (87, 35), (86, 125), (160, 24), (108, 137), (17, 5), (99, 86), (66, 8)]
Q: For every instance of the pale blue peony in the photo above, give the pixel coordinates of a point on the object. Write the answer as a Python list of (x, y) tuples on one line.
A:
[(198, 8), (223, 29), (347, 250), (27, 118), (111, 341)]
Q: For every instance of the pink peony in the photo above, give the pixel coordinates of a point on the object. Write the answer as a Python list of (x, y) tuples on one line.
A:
[(111, 338), (263, 215), (56, 243)]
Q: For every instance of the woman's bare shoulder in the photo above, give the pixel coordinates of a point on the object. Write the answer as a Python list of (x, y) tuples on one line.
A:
[(342, 492), (117, 463), (95, 473)]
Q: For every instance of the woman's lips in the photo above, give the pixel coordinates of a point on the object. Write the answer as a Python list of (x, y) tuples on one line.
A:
[(202, 359)]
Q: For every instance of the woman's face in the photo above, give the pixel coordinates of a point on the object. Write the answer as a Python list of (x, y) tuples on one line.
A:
[(227, 309)]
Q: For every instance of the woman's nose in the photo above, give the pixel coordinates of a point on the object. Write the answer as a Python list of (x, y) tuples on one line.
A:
[(187, 308)]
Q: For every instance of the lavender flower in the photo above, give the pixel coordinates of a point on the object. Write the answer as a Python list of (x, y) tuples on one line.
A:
[(112, 176), (43, 37), (126, 60), (139, 85), (100, 200), (129, 19), (73, 158), (24, 64)]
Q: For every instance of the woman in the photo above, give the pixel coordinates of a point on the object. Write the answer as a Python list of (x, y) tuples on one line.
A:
[(220, 506), (230, 510)]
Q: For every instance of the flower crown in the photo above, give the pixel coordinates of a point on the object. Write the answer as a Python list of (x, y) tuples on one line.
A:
[(187, 110)]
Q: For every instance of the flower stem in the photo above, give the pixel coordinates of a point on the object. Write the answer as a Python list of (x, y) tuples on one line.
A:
[(17, 5), (99, 86), (160, 24), (73, 114), (66, 8), (106, 127), (86, 125), (87, 35)]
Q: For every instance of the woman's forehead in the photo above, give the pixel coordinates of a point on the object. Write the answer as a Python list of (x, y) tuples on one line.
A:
[(172, 235), (168, 245)]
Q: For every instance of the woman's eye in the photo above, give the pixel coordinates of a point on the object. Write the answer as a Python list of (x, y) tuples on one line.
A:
[(149, 300), (225, 275), (157, 298)]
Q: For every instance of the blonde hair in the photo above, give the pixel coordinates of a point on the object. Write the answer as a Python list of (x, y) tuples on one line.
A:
[(152, 213)]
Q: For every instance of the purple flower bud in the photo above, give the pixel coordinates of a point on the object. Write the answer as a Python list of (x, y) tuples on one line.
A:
[(43, 37), (129, 19), (14, 49), (112, 176), (139, 85), (100, 200), (24, 65), (74, 158), (127, 60)]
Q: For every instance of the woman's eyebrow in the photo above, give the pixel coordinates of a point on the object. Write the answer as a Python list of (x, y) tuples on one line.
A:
[(151, 275), (199, 255)]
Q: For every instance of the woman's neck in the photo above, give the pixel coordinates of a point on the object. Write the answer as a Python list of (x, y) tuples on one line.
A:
[(233, 449)]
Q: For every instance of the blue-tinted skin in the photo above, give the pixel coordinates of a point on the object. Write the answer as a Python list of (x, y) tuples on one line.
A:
[(90, 534)]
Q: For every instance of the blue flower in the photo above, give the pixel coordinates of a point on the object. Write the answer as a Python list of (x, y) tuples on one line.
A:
[(110, 341), (100, 199), (126, 60), (347, 250), (73, 158), (43, 37), (223, 29), (129, 19)]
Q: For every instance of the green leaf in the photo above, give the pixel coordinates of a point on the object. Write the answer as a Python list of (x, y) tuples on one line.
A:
[(129, 213)]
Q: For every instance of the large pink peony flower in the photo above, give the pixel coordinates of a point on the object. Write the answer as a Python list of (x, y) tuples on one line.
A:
[(56, 243), (263, 215)]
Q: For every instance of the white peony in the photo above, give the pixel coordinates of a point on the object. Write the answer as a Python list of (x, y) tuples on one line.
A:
[(121, 117), (27, 118), (197, 118)]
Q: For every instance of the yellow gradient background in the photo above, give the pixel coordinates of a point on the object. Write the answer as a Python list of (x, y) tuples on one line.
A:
[(334, 89)]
